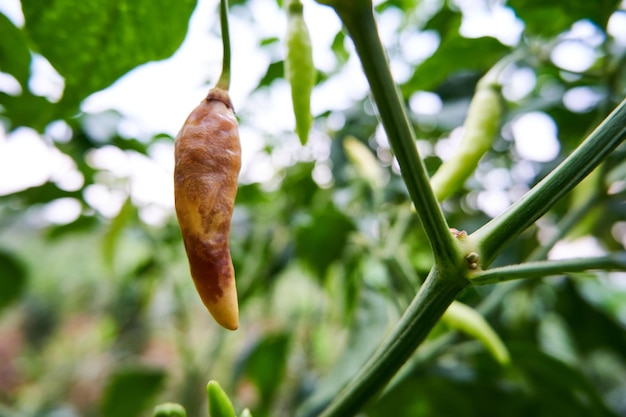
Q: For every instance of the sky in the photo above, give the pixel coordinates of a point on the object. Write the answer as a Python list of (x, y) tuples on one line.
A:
[(27, 159)]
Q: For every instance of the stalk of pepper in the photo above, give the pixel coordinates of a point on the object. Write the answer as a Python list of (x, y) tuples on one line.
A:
[(207, 157)]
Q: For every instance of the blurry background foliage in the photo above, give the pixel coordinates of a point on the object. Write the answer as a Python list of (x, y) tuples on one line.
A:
[(98, 315)]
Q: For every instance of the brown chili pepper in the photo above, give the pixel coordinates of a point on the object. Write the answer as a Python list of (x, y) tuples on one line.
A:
[(207, 163)]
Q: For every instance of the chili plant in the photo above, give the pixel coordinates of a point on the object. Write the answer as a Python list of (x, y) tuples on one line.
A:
[(460, 259)]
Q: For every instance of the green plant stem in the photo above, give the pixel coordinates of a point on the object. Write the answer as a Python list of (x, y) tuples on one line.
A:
[(224, 81), (447, 278), (358, 17), (493, 236), (540, 269), (569, 220), (432, 300)]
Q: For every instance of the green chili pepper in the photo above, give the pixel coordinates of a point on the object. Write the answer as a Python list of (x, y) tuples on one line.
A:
[(480, 129), (466, 319), (169, 410), (219, 403), (299, 68), (364, 161)]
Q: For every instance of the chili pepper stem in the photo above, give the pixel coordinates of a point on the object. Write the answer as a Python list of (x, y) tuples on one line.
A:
[(224, 81)]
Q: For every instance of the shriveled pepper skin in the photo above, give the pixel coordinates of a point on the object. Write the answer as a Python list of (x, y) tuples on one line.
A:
[(207, 163)]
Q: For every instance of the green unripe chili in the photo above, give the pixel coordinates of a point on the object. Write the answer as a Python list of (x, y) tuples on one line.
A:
[(219, 403), (299, 68), (169, 410), (480, 129), (364, 161), (469, 321)]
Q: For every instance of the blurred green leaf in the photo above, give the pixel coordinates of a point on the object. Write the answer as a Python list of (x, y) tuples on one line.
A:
[(80, 225), (112, 237), (595, 329), (13, 281), (27, 110), (539, 385), (366, 332), (264, 364), (274, 71), (41, 194), (469, 55), (563, 390), (298, 186), (92, 44), (14, 53), (129, 391), (269, 41), (549, 18), (321, 240), (40, 322), (339, 47)]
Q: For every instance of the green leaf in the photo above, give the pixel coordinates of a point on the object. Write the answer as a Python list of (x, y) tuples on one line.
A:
[(269, 41), (299, 186), (595, 329), (274, 71), (112, 237), (42, 194), (13, 279), (365, 333), (322, 240), (14, 53), (469, 55), (27, 110), (264, 364), (83, 224), (548, 19), (93, 43), (129, 391), (560, 387), (339, 47)]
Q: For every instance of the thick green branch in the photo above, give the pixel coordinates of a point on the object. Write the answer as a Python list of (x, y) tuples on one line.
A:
[(540, 269), (357, 16), (492, 237)]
